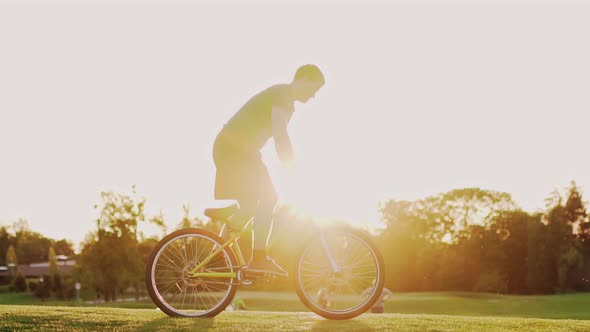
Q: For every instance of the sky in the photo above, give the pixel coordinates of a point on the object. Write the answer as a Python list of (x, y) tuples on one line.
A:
[(421, 97)]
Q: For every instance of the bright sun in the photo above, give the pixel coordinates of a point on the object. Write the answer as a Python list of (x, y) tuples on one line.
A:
[(319, 197)]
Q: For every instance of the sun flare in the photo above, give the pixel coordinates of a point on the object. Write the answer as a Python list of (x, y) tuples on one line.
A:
[(314, 196)]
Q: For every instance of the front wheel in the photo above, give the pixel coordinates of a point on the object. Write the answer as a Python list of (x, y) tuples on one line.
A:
[(339, 274), (168, 274)]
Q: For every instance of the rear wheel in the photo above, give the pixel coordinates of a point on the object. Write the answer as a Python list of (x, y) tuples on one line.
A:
[(167, 274), (347, 291)]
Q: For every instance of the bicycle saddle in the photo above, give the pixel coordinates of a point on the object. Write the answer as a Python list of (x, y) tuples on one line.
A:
[(221, 213)]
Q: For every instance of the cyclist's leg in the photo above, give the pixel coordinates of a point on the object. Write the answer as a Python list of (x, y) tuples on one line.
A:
[(265, 191), (242, 175), (248, 206), (263, 225), (263, 220)]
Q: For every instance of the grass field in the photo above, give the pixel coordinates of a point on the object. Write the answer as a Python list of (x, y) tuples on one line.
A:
[(569, 306), (43, 318), (269, 311)]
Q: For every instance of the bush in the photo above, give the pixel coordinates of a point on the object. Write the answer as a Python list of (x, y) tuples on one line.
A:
[(33, 285), (43, 290), (58, 286), (69, 289), (20, 283)]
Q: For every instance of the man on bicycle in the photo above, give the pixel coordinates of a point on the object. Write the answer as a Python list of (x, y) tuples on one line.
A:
[(241, 175)]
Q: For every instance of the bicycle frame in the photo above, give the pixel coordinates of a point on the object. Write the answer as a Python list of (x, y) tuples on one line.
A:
[(335, 267), (233, 241)]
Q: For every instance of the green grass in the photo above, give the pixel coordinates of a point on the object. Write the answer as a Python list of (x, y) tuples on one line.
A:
[(568, 306), (4, 289), (43, 318), (282, 311), (30, 299)]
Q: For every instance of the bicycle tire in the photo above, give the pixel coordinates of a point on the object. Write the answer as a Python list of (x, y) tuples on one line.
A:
[(363, 306), (152, 284)]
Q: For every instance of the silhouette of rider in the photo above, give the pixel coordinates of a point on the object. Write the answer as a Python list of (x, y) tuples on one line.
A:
[(241, 174)]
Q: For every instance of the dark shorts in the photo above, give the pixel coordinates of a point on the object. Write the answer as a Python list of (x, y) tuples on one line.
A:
[(241, 174)]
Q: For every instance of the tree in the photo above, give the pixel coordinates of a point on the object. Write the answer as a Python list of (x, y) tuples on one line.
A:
[(20, 225), (451, 227), (445, 215), (562, 219), (58, 286), (20, 282), (110, 257), (539, 277), (63, 247), (480, 246), (4, 243), (512, 229), (575, 210), (187, 221), (55, 275), (31, 247), (11, 260), (473, 239), (570, 263), (43, 290), (575, 258), (491, 282), (460, 208), (409, 229), (52, 259)]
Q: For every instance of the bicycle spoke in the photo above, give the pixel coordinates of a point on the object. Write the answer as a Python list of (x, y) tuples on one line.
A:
[(191, 296), (356, 273)]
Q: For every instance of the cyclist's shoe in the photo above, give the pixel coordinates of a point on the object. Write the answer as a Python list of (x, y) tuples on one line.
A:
[(266, 266)]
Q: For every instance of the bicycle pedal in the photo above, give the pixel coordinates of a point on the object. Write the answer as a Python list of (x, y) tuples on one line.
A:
[(248, 278)]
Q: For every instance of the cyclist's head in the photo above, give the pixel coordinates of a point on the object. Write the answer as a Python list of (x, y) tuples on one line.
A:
[(308, 80)]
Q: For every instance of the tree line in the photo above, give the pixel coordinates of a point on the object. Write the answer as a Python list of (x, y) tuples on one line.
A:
[(462, 240), (20, 245), (478, 240)]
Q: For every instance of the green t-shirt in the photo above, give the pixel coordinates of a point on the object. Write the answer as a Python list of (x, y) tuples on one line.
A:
[(251, 126)]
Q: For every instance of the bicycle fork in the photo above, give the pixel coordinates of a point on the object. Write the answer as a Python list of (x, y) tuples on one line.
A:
[(328, 252)]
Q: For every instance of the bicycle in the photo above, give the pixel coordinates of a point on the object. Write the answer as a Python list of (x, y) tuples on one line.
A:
[(195, 273)]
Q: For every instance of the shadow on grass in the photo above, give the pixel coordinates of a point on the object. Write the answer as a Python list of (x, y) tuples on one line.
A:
[(169, 323), (341, 325)]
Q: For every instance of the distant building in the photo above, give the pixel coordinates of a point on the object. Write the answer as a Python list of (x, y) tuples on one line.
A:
[(36, 270)]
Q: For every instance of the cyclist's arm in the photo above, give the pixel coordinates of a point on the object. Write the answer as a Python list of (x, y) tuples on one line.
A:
[(280, 119)]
